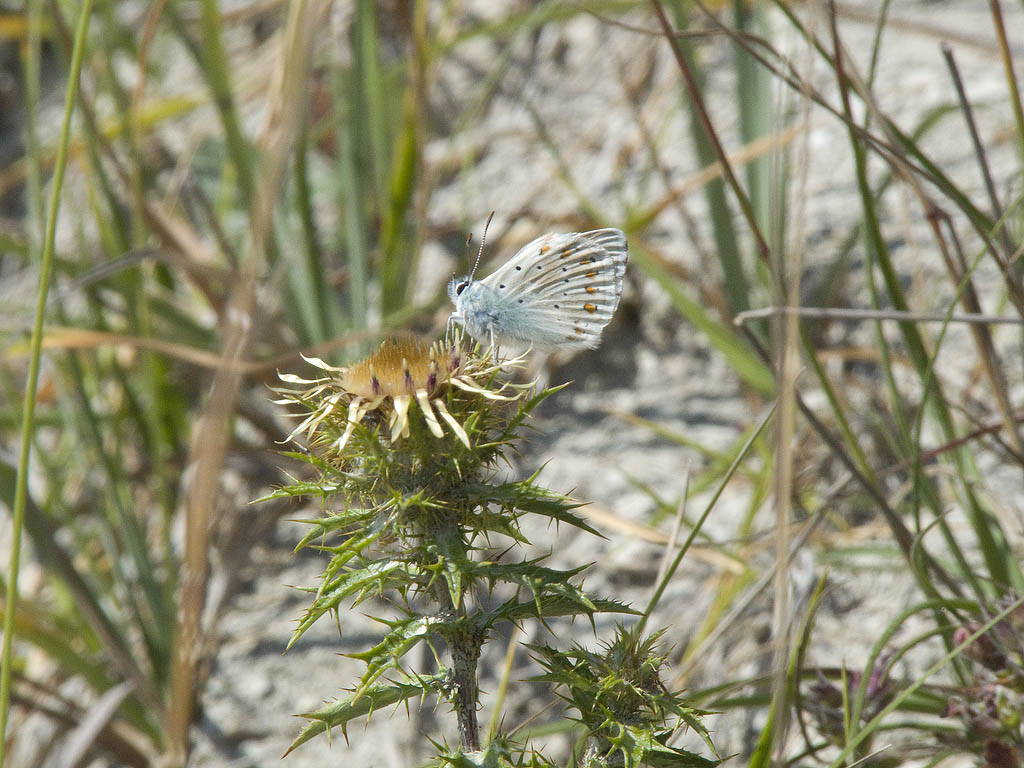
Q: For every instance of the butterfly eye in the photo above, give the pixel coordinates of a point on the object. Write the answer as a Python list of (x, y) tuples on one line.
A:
[(461, 287)]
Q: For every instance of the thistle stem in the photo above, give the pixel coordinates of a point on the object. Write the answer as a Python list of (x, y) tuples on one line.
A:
[(465, 651), (464, 643)]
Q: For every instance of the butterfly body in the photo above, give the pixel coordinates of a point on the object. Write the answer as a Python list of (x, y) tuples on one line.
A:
[(558, 291)]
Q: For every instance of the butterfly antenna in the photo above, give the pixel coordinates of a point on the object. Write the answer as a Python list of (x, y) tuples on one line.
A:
[(483, 239)]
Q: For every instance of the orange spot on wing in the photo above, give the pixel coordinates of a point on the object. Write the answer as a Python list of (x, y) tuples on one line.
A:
[(545, 248), (591, 289), (590, 307), (591, 275)]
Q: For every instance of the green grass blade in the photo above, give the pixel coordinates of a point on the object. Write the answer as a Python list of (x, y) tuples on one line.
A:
[(32, 383)]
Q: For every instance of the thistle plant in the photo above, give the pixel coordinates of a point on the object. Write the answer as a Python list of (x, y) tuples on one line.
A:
[(405, 446), (627, 714)]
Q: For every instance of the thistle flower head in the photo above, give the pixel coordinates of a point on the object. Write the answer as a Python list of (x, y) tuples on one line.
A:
[(383, 388)]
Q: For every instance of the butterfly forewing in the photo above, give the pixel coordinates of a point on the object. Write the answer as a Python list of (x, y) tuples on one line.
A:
[(559, 290)]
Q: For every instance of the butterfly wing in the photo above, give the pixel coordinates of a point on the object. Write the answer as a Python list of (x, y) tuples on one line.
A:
[(560, 290)]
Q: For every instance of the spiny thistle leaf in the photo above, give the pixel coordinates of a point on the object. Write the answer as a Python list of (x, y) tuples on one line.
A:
[(369, 700), (543, 583), (301, 489), (500, 753), (353, 546), (340, 521), (403, 635), (454, 572), (691, 716), (553, 606), (318, 463), (636, 746), (526, 573), (374, 578), (523, 497)]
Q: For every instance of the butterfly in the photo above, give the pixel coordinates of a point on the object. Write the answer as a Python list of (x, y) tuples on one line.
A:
[(558, 292)]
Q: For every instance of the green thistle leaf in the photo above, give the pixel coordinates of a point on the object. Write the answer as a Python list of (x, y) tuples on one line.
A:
[(375, 578), (339, 713)]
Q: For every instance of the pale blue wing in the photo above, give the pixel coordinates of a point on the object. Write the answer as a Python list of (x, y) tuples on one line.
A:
[(558, 290)]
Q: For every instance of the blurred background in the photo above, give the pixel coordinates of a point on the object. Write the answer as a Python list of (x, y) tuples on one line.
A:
[(248, 181)]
